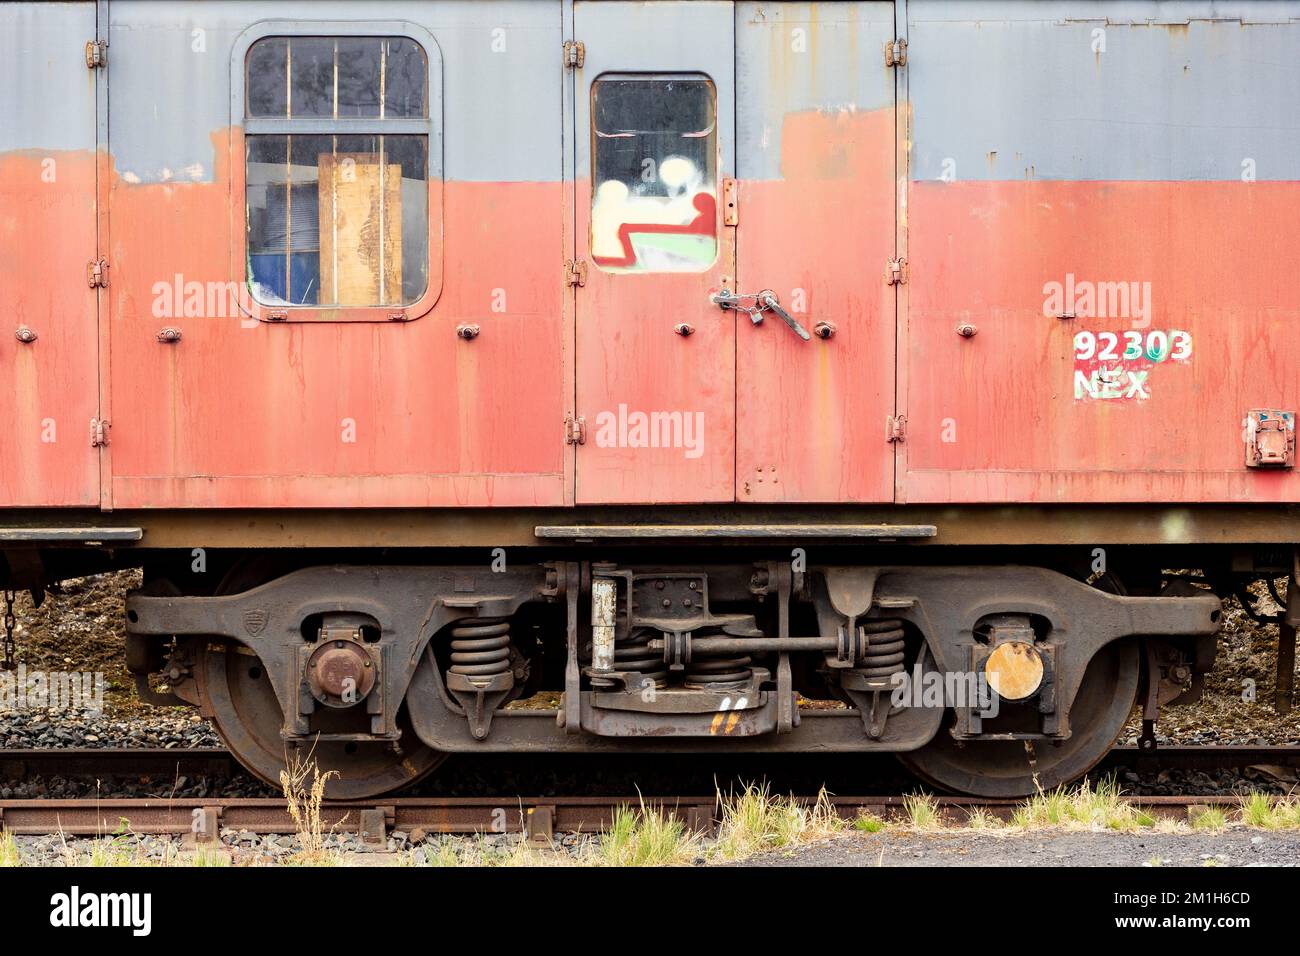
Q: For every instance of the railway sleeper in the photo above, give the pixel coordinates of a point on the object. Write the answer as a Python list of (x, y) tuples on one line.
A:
[(383, 670)]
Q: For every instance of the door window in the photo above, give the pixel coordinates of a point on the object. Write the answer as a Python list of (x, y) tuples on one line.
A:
[(655, 156)]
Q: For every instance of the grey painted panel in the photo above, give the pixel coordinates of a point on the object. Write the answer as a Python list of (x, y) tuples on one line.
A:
[(47, 95), (663, 36), (168, 86), (501, 80), (1112, 11), (1016, 90), (430, 126), (792, 57)]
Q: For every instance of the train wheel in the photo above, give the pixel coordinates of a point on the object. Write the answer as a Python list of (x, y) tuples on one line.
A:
[(1007, 768), (248, 716)]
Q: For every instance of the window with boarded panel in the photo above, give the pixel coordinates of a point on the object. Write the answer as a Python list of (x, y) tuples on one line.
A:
[(337, 177)]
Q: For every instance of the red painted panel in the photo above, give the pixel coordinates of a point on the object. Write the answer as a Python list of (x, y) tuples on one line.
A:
[(811, 415), (996, 417), (243, 413), (50, 393)]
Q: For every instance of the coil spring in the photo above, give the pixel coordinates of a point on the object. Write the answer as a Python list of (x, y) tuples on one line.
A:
[(885, 647), (704, 672), (480, 647), (633, 654)]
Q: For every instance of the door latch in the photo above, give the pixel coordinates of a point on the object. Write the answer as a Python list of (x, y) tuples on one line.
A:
[(765, 301)]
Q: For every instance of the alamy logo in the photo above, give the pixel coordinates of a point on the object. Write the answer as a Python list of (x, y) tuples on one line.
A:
[(22, 689), (1085, 299), (74, 909), (179, 299), (625, 429), (931, 689)]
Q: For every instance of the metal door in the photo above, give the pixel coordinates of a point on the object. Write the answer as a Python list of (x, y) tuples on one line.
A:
[(816, 228), (655, 356), (48, 210)]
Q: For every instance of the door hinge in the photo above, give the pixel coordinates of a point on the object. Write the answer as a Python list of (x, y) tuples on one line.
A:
[(575, 54), (98, 432), (730, 203), (96, 54), (896, 272), (575, 272), (896, 53), (895, 428), (97, 273), (575, 430)]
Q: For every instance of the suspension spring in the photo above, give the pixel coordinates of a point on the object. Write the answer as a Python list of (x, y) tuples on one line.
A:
[(718, 672), (634, 654), (884, 653), (480, 647)]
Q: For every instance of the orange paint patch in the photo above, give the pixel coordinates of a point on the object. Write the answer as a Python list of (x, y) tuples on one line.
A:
[(1220, 261), (811, 415), (244, 413), (47, 237)]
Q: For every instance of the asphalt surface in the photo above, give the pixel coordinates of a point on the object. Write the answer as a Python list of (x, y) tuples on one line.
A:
[(1233, 847)]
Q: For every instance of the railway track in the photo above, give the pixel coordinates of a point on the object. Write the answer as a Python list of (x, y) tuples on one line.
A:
[(537, 816), (86, 762)]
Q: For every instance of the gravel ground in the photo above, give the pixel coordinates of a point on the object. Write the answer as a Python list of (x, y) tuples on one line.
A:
[(1233, 847), (1175, 783), (1237, 846), (1237, 706), (244, 848), (165, 727), (112, 787)]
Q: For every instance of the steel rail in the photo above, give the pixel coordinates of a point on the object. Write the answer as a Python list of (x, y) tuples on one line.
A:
[(538, 817), (18, 764)]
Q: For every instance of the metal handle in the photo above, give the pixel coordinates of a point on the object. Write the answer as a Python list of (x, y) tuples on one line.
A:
[(765, 301), (770, 302)]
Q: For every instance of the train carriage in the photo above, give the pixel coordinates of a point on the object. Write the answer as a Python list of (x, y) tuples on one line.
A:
[(902, 376)]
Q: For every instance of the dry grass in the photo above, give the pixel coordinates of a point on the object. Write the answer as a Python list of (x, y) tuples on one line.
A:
[(868, 822), (922, 811), (752, 821), (646, 836), (981, 819), (303, 786), (9, 855), (1087, 807), (1267, 813), (207, 855), (458, 852), (756, 820), (1212, 819), (102, 853)]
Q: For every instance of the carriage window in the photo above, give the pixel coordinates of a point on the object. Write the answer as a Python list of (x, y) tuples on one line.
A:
[(337, 139), (654, 173)]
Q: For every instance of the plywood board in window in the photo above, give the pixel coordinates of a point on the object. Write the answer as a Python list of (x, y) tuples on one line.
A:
[(360, 230)]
